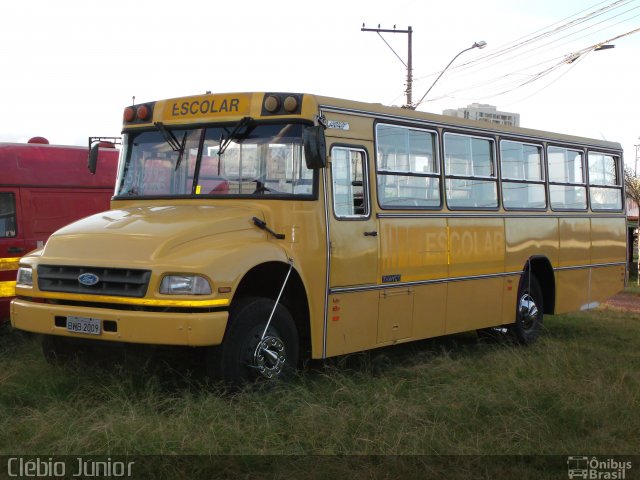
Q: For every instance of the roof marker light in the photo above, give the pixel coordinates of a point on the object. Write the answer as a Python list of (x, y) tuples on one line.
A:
[(129, 114), (142, 112), (271, 103), (290, 104)]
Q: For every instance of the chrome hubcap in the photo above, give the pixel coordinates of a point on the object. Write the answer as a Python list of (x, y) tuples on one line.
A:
[(528, 311), (269, 357)]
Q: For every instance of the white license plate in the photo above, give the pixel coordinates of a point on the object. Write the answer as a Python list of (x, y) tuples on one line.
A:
[(86, 325)]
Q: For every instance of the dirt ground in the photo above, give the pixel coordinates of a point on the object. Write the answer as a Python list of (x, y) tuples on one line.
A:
[(624, 301)]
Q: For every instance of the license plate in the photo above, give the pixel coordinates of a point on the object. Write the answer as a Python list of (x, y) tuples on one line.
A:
[(86, 325)]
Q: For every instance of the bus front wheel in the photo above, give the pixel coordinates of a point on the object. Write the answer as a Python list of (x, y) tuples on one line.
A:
[(246, 355), (529, 311)]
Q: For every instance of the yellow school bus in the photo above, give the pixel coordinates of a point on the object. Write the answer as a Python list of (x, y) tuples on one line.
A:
[(273, 227)]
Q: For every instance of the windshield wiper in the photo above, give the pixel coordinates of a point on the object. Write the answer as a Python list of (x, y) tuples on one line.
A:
[(245, 122), (174, 143)]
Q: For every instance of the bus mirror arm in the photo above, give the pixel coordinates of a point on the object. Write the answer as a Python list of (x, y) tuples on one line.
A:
[(315, 150)]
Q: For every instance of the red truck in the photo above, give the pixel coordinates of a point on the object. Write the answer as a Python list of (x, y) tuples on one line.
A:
[(42, 188)]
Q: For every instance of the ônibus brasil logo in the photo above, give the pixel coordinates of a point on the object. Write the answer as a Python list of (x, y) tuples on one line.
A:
[(593, 468)]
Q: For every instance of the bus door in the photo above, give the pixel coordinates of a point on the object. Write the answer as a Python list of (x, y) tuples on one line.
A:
[(12, 246), (353, 253), (353, 229)]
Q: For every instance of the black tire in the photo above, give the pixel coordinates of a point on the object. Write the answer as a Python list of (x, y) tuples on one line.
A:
[(237, 360), (57, 350), (529, 311), (494, 334)]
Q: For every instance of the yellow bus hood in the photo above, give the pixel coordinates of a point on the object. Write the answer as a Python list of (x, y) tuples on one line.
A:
[(147, 233)]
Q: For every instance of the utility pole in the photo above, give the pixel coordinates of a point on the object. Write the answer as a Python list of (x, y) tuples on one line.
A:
[(408, 64)]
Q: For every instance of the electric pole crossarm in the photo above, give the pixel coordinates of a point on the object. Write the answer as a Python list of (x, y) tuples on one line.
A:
[(409, 64), (382, 30)]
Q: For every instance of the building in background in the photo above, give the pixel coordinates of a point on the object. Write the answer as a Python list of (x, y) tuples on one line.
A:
[(485, 113)]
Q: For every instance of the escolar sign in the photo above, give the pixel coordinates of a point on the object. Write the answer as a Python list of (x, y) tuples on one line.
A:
[(207, 106)]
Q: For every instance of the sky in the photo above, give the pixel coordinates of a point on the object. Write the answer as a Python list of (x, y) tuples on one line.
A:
[(69, 68)]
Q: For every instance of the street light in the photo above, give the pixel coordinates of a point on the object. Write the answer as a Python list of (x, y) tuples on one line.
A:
[(480, 44)]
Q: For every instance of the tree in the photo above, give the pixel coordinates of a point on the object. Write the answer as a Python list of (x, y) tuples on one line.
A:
[(632, 187)]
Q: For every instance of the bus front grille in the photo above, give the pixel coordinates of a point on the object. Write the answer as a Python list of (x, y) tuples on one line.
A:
[(121, 282)]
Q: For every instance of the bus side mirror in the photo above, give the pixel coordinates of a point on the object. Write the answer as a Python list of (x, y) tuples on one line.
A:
[(315, 149), (92, 163)]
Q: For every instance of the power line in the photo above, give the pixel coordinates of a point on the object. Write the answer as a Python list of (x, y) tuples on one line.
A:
[(570, 59), (584, 24), (548, 33)]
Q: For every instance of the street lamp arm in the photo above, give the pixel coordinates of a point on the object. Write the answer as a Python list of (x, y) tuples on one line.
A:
[(480, 44)]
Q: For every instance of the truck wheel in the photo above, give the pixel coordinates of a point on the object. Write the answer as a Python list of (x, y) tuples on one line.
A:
[(529, 311), (245, 356)]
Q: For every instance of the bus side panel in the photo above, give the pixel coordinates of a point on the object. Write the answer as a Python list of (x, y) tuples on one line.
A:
[(605, 282), (12, 246), (476, 247), (526, 238), (608, 240), (474, 304), (413, 249), (575, 242), (572, 290), (608, 245), (510, 298), (49, 209), (529, 237), (353, 322), (429, 310), (575, 251)]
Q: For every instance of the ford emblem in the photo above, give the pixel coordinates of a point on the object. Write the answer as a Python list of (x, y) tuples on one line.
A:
[(88, 279)]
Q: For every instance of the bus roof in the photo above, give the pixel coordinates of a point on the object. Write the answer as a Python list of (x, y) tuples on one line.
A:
[(399, 113), (54, 166), (229, 107)]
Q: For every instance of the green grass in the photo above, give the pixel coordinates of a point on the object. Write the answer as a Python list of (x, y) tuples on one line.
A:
[(577, 390)]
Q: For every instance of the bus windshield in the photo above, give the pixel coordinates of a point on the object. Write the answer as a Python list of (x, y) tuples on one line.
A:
[(215, 161)]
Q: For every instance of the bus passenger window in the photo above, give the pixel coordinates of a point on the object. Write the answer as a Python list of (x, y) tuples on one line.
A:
[(522, 176), (470, 172), (408, 172), (7, 215), (605, 187), (350, 196), (567, 189)]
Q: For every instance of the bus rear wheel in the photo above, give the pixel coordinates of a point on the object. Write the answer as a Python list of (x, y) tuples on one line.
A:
[(246, 356), (529, 311)]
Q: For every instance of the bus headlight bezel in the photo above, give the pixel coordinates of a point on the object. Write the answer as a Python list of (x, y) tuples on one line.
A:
[(24, 278), (176, 284)]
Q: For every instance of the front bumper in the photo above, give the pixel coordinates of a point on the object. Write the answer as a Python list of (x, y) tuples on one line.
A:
[(154, 328)]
